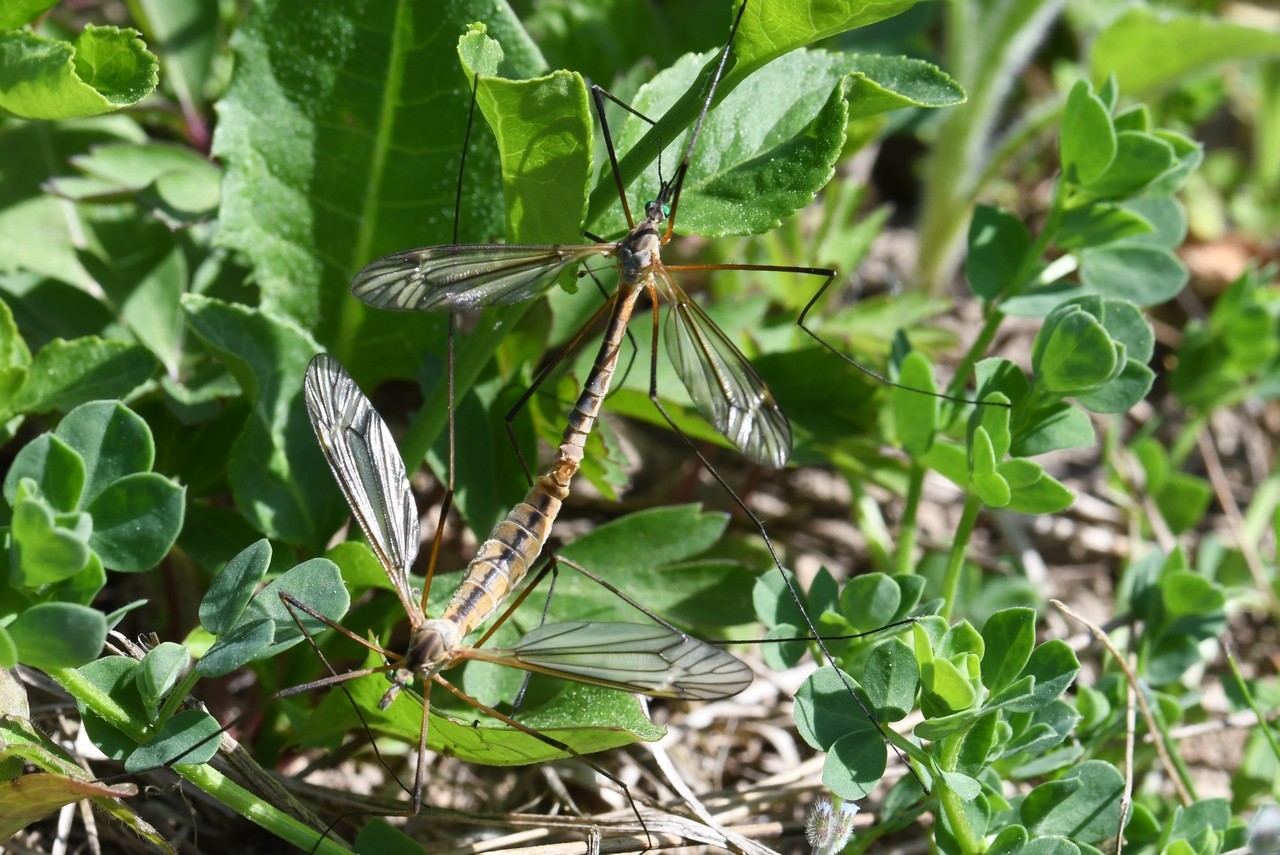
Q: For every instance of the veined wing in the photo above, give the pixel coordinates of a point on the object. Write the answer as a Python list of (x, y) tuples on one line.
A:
[(368, 468), (460, 277), (723, 385), (634, 657)]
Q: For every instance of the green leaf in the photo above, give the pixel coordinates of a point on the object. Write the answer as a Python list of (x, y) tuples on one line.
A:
[(998, 243), (234, 586), (1034, 491), (945, 689), (1083, 805), (18, 12), (112, 440), (1073, 351), (870, 601), (747, 176), (1148, 49), (1143, 275), (378, 837), (915, 410), (1183, 501), (64, 374), (136, 520), (854, 765), (586, 718), (1121, 393), (824, 712), (1099, 223), (43, 552), (648, 554), (1088, 140), (767, 32), (543, 129), (55, 467), (340, 130), (1008, 637), (891, 680), (1140, 159), (58, 635), (161, 669), (191, 736), (104, 69), (278, 478), (317, 583)]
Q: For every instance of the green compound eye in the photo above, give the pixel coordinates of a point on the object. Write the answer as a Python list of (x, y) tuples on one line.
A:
[(666, 210)]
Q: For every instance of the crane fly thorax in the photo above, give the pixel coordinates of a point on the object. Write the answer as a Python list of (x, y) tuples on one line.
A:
[(640, 252), (431, 647)]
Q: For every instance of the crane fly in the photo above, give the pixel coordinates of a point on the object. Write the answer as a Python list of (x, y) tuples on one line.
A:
[(655, 660), (724, 387)]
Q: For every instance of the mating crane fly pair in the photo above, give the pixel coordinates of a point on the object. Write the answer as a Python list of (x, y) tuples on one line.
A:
[(725, 388)]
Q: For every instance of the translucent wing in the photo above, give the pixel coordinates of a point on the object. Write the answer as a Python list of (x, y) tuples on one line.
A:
[(466, 276), (725, 388), (634, 657), (367, 465)]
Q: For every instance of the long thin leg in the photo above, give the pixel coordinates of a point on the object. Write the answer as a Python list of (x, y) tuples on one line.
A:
[(554, 743), (760, 526)]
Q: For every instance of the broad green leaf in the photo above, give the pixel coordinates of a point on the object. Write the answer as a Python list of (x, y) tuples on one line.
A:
[(870, 601), (1099, 223), (64, 374), (1008, 638), (1122, 392), (191, 736), (104, 69), (543, 130), (767, 32), (1083, 805), (1140, 159), (1148, 49), (136, 520), (38, 232), (734, 184), (1073, 351), (268, 626), (43, 552), (234, 586), (277, 476), (18, 12), (58, 635), (1183, 500), (364, 128), (892, 680), (998, 243), (915, 409), (825, 713), (1034, 491), (161, 669), (1143, 275), (112, 440), (944, 689), (854, 765), (55, 467), (587, 718), (1088, 141), (143, 273)]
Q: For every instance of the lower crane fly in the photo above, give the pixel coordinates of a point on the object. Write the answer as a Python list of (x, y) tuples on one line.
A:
[(655, 660)]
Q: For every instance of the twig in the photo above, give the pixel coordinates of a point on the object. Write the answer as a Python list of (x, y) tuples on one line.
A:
[(1161, 749)]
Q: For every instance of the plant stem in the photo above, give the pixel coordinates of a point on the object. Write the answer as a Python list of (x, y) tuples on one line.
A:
[(907, 530), (955, 559)]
